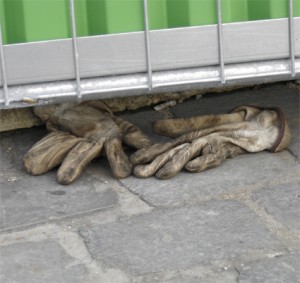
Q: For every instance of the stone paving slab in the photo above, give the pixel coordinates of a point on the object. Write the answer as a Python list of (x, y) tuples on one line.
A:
[(169, 239), (36, 262), (239, 173), (31, 200), (282, 202), (285, 268)]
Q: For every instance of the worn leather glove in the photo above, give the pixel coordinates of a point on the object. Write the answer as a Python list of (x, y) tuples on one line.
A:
[(204, 142), (79, 133)]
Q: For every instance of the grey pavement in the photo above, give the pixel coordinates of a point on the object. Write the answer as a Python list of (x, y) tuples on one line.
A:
[(235, 223)]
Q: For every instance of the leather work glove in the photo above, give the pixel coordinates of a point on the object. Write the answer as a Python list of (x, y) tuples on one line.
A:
[(79, 133), (203, 142)]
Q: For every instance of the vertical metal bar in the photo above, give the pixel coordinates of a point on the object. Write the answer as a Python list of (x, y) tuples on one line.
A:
[(75, 49), (291, 39), (3, 70), (147, 45), (220, 41)]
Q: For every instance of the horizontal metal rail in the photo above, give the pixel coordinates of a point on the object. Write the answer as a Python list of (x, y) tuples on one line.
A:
[(3, 71), (176, 80)]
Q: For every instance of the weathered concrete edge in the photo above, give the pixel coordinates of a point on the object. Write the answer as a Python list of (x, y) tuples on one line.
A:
[(19, 118)]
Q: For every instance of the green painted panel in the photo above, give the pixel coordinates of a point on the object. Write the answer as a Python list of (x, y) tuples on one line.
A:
[(194, 12), (3, 22), (202, 12), (177, 11), (182, 13), (234, 11), (158, 16), (115, 16), (35, 20), (46, 19), (271, 9), (296, 8), (14, 21), (96, 17), (81, 16)]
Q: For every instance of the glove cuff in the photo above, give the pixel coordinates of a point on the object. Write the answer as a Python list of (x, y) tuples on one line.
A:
[(284, 135)]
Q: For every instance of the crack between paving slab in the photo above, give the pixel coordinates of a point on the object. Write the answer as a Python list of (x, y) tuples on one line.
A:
[(238, 273), (50, 221), (240, 193), (198, 271), (287, 238), (138, 195), (75, 245), (295, 155), (116, 183), (105, 269)]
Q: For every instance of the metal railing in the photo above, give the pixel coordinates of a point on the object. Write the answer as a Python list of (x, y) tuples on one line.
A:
[(3, 70), (160, 77)]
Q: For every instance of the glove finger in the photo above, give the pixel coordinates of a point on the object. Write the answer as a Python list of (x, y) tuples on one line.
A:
[(118, 160), (145, 171), (49, 152), (179, 160), (177, 127), (213, 159), (132, 135), (146, 155), (77, 159), (205, 162)]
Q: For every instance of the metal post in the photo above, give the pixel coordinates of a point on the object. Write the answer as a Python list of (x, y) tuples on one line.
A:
[(220, 41), (75, 49), (3, 70), (147, 45), (291, 39)]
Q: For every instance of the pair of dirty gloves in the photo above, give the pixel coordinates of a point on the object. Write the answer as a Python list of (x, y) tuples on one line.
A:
[(80, 132)]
